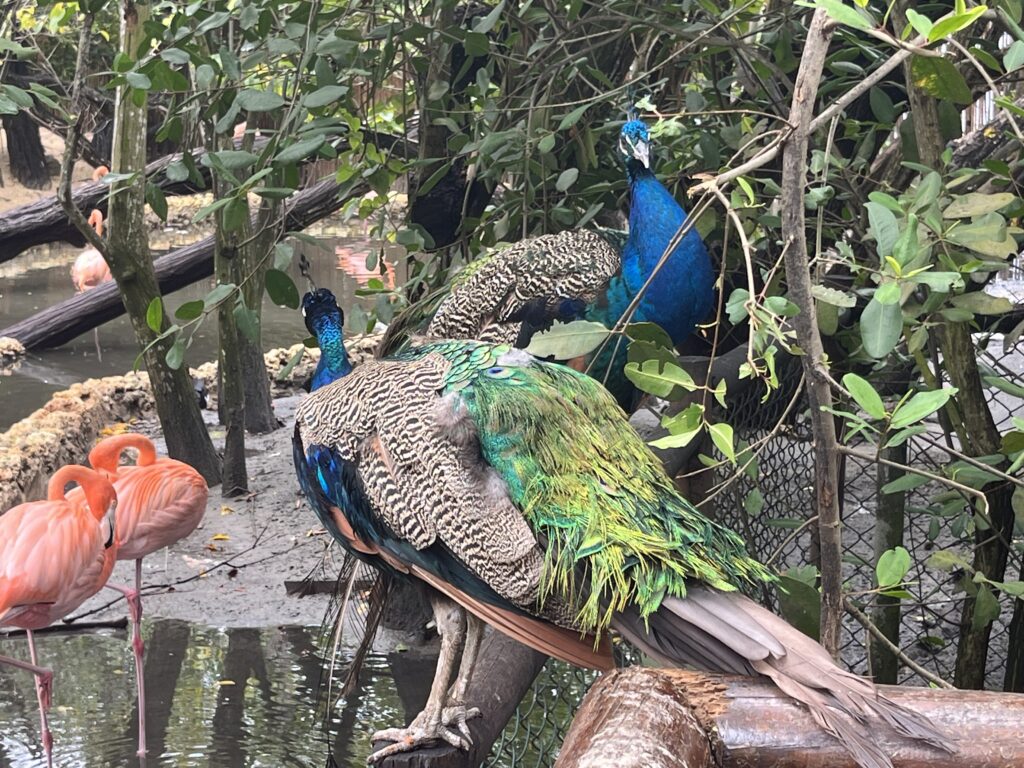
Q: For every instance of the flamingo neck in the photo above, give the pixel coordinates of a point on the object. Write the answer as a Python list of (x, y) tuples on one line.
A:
[(99, 493), (106, 456)]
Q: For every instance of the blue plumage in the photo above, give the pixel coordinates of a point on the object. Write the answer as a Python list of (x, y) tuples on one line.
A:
[(325, 320)]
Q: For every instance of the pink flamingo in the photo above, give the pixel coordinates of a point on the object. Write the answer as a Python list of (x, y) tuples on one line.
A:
[(90, 269), (54, 555), (160, 502)]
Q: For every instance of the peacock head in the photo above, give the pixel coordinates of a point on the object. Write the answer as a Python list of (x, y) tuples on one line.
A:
[(635, 142), (321, 311)]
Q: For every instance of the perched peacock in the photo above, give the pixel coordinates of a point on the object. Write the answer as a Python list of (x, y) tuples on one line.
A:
[(508, 294), (519, 492)]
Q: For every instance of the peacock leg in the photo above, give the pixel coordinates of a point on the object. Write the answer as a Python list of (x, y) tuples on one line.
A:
[(427, 726), (456, 712)]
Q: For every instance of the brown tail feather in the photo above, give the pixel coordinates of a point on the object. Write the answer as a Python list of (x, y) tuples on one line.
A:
[(729, 633), (540, 635)]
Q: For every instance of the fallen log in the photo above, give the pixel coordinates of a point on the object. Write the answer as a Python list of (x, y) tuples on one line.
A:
[(667, 718), (81, 313), (44, 221), (504, 672)]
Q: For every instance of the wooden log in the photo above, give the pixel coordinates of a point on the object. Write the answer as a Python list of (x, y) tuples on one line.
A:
[(44, 221), (504, 672), (643, 717), (81, 313)]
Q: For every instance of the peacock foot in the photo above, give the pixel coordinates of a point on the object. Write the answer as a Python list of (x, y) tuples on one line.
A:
[(420, 733), (457, 715)]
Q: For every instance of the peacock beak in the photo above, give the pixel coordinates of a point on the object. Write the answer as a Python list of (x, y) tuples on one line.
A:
[(642, 152)]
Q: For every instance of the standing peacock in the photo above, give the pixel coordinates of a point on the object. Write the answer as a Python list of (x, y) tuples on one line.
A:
[(507, 295), (519, 492)]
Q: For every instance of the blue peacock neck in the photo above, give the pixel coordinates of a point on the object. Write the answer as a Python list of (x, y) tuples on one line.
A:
[(334, 362), (682, 292)]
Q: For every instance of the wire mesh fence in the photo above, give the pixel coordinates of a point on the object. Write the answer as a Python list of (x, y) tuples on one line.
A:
[(779, 531)]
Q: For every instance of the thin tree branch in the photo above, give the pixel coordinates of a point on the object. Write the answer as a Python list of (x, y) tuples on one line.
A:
[(798, 280)]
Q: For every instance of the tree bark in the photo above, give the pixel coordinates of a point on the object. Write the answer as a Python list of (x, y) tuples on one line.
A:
[(798, 280), (128, 257), (24, 147), (642, 717), (253, 262), (231, 397), (889, 520)]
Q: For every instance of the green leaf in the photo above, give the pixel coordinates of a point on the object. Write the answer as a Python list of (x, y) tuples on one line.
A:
[(247, 321), (176, 171), (567, 178), (892, 567), (321, 97), (880, 328), (682, 427), (982, 303), (944, 282), (921, 24), (573, 117), (290, 365), (1014, 56), (843, 14), (651, 332), (1007, 386), (218, 294), (883, 226), (865, 395), (259, 101), (138, 81), (888, 293), (660, 378), (486, 24), (722, 436), (947, 560), (299, 150), (281, 289), (155, 315), (546, 144), (907, 482), (175, 355), (190, 310), (920, 406), (233, 159), (800, 605), (986, 608), (753, 503), (950, 25), (566, 341), (882, 106), (833, 296), (938, 77), (976, 204)]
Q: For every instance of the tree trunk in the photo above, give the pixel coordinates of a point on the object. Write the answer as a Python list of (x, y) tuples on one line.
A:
[(1014, 678), (982, 436), (254, 261), (646, 718), (24, 147), (798, 279), (128, 256), (889, 520), (231, 396)]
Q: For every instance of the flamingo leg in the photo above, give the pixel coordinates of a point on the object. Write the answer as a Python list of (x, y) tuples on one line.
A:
[(44, 680), (134, 598), (135, 608)]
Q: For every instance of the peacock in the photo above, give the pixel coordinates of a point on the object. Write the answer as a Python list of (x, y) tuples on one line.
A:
[(517, 490), (509, 294)]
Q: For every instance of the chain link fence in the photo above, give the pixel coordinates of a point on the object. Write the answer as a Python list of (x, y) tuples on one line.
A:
[(778, 531)]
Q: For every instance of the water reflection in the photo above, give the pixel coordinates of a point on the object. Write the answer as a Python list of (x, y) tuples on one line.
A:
[(231, 698), (40, 277)]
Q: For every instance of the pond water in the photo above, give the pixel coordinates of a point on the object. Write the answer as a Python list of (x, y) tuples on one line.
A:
[(40, 278), (216, 697)]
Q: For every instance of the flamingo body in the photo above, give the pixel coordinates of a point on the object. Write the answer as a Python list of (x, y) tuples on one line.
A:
[(90, 270), (54, 555), (161, 501)]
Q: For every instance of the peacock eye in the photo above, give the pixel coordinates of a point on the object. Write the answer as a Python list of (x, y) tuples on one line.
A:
[(495, 371)]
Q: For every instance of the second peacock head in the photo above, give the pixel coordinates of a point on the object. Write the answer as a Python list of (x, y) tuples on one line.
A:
[(321, 312), (635, 142)]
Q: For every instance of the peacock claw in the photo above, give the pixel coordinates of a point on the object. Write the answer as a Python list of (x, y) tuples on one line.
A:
[(415, 736), (457, 715)]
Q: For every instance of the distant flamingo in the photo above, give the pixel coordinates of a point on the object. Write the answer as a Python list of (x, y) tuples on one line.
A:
[(54, 555), (90, 269), (160, 502), (353, 263)]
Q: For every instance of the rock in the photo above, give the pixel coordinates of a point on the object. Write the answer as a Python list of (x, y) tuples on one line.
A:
[(10, 349)]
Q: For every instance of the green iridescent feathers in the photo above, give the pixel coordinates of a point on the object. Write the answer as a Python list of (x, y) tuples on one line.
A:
[(614, 529)]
